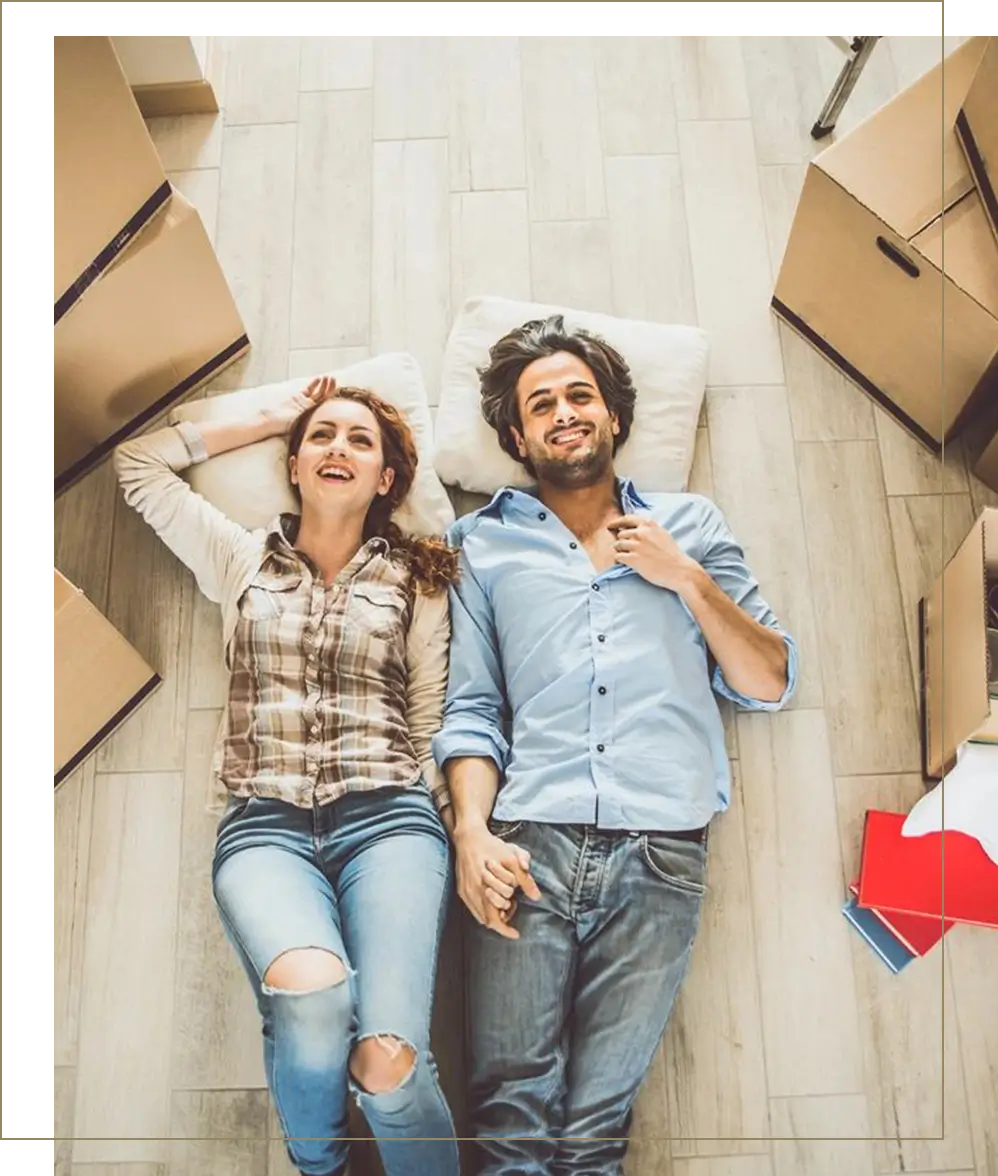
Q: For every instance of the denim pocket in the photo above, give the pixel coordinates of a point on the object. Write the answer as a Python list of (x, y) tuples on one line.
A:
[(678, 863), (504, 830), (236, 807)]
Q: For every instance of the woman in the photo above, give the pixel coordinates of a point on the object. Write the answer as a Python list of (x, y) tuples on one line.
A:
[(331, 868)]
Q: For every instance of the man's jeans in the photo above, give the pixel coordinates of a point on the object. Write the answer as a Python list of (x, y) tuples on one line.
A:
[(566, 1019), (367, 878)]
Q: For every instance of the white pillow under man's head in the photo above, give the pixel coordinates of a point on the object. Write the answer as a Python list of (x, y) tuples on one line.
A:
[(668, 368)]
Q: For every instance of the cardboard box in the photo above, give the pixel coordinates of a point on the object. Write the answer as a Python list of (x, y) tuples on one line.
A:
[(109, 182), (862, 278), (956, 705), (986, 466), (99, 678), (159, 322), (167, 74), (977, 130)]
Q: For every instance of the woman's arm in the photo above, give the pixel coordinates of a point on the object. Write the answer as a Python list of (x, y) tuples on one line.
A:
[(221, 436), (427, 649), (215, 548)]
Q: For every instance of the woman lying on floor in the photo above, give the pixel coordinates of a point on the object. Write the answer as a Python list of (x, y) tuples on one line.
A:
[(331, 868)]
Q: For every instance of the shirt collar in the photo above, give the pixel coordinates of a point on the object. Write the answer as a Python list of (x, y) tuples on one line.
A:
[(283, 561), (508, 500)]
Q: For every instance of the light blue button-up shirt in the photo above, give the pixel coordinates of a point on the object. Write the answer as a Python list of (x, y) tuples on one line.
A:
[(592, 693)]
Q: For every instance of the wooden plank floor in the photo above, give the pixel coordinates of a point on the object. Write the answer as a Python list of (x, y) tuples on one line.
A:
[(357, 191)]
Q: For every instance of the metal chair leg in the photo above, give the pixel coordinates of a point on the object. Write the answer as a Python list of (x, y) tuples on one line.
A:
[(858, 51)]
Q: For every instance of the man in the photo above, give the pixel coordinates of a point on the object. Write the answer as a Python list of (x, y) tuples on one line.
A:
[(586, 622)]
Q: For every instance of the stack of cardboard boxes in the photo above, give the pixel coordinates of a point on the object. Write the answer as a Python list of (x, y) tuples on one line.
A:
[(891, 272), (143, 315)]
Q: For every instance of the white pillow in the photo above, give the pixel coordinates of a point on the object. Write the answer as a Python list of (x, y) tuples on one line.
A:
[(668, 366), (251, 486)]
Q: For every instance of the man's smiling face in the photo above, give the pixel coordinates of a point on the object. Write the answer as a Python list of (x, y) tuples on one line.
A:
[(567, 431)]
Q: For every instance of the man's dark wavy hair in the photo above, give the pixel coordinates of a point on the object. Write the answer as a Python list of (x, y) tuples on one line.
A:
[(535, 340)]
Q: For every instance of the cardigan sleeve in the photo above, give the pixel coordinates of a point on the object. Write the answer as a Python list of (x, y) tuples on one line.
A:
[(427, 652), (216, 549)]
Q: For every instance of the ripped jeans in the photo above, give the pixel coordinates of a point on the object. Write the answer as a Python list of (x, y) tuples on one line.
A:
[(367, 878)]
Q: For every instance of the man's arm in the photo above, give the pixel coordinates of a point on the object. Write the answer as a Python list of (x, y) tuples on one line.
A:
[(472, 750), (752, 657), (756, 660)]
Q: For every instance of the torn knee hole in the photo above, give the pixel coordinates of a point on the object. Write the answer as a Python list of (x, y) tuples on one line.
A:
[(305, 969), (381, 1063)]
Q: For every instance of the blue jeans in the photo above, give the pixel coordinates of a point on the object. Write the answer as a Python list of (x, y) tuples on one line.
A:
[(367, 878), (566, 1019)]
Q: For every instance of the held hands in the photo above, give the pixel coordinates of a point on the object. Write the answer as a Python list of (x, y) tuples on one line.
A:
[(648, 548), (489, 872), (282, 416)]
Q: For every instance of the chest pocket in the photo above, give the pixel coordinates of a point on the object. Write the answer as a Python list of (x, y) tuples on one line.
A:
[(259, 604), (378, 609)]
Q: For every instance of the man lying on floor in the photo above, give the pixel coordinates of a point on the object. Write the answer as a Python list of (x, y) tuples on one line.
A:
[(588, 615)]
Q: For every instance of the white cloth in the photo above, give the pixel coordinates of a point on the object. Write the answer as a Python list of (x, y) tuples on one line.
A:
[(668, 366), (971, 800)]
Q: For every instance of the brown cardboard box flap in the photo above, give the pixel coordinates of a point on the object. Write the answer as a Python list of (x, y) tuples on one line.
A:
[(977, 129), (892, 161), (957, 702), (99, 677), (967, 254), (159, 321), (109, 181)]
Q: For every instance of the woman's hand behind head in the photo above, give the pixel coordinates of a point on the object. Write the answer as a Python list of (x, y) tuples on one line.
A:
[(284, 415)]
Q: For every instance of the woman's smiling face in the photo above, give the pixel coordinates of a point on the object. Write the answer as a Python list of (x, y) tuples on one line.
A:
[(340, 463)]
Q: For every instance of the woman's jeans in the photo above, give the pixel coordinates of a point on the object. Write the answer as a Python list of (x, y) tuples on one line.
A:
[(366, 877)]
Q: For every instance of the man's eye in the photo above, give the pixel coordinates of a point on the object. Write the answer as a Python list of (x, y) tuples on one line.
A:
[(541, 406)]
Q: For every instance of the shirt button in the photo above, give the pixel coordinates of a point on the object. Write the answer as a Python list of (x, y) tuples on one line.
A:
[(574, 546), (543, 515), (507, 494), (602, 690), (596, 587), (600, 747), (601, 637)]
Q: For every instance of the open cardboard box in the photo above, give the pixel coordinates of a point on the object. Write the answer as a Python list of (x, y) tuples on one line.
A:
[(109, 182), (956, 705), (977, 130), (99, 678), (159, 322), (863, 278)]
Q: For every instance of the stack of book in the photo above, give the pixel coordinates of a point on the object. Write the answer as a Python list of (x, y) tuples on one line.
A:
[(911, 890)]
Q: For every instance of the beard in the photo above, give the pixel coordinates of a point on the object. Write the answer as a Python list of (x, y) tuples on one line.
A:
[(575, 470)]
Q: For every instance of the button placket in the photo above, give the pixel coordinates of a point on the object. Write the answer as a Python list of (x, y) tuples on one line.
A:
[(600, 703)]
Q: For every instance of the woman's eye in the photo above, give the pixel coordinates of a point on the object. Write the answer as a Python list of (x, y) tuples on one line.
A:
[(363, 441)]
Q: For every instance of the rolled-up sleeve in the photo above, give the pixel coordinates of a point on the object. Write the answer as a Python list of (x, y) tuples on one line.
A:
[(724, 559), (475, 708)]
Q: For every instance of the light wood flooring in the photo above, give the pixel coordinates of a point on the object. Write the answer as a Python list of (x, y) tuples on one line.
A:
[(357, 192)]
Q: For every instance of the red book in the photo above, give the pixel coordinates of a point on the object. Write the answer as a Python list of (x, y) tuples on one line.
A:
[(918, 933), (905, 874)]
